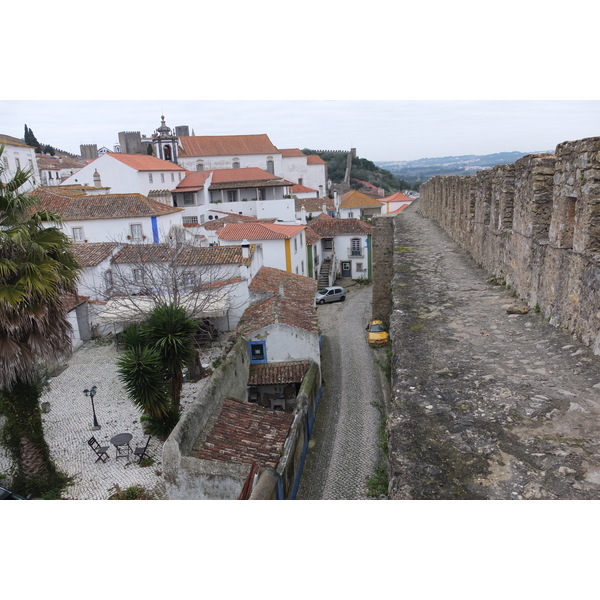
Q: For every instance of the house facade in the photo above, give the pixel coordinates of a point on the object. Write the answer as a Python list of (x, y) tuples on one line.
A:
[(251, 192), (356, 205), (129, 173), (110, 217), (395, 203), (309, 171), (18, 155), (345, 247), (284, 246)]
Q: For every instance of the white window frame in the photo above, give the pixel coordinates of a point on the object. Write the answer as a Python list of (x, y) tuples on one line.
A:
[(134, 227), (150, 178), (138, 276), (79, 236)]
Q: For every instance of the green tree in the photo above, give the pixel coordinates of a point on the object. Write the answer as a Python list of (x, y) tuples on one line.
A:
[(151, 368), (36, 268), (31, 140)]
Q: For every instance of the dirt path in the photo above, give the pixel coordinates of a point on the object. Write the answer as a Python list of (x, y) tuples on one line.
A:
[(485, 403)]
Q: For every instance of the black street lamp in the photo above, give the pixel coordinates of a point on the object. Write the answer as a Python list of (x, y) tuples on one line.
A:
[(91, 393)]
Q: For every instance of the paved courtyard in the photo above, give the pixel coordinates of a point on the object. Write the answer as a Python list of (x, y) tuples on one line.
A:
[(67, 426)]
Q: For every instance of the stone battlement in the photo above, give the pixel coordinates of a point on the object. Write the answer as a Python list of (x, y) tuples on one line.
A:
[(534, 224)]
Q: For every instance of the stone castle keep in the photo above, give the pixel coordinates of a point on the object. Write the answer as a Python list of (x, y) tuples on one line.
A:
[(536, 225)]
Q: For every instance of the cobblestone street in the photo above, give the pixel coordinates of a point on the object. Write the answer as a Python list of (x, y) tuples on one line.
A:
[(343, 449)]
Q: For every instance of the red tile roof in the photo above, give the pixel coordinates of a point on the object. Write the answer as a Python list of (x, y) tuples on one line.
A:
[(275, 310), (214, 255), (226, 145), (397, 197), (312, 237), (258, 231), (278, 372), (144, 253), (301, 189), (91, 255), (245, 433), (356, 199), (315, 159), (13, 141), (105, 206), (327, 226), (193, 180), (145, 162), (314, 204), (289, 152), (298, 287)]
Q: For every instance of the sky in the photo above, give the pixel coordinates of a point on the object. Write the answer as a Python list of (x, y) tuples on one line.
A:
[(380, 130)]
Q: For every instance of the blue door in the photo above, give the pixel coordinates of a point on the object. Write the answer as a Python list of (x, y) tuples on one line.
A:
[(346, 268)]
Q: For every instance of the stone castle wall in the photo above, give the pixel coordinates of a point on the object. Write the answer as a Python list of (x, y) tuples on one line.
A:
[(536, 225)]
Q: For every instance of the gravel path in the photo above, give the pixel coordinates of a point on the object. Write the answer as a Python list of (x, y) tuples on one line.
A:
[(343, 450)]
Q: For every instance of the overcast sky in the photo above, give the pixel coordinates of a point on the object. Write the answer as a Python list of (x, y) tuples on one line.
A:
[(379, 129)]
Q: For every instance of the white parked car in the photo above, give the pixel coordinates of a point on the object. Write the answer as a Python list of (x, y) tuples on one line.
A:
[(330, 294)]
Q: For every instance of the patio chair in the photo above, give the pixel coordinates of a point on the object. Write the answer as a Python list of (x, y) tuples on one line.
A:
[(141, 451), (98, 449)]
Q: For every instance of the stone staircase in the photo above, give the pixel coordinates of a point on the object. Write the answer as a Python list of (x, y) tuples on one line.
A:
[(324, 274)]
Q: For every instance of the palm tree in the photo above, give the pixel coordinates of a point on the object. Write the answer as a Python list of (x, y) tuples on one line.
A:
[(36, 269)]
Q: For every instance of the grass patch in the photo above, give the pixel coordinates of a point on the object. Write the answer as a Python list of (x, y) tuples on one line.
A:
[(133, 492), (401, 249)]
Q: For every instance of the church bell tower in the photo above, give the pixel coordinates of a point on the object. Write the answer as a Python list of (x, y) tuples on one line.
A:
[(164, 142)]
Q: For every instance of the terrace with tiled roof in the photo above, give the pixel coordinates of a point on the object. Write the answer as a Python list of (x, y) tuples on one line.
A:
[(226, 145), (103, 206), (245, 433), (314, 204)]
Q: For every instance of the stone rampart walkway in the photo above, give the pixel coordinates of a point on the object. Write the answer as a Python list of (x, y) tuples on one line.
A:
[(486, 402)]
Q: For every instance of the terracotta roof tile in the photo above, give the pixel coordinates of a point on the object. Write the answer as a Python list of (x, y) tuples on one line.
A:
[(327, 226), (214, 255), (145, 162), (312, 237), (315, 159), (269, 280), (105, 206), (13, 141), (301, 189), (278, 372), (397, 197), (245, 433), (356, 199), (259, 231), (226, 145), (91, 255), (143, 253), (278, 310), (314, 204), (289, 152)]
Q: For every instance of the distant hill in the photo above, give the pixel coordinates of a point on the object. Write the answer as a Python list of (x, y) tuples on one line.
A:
[(418, 171)]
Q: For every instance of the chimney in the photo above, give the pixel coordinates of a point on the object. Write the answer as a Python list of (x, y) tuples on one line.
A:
[(97, 182), (245, 249), (281, 290)]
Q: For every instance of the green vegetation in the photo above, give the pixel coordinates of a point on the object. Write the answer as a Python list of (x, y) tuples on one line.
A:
[(134, 492), (362, 169), (36, 268), (401, 249), (151, 368)]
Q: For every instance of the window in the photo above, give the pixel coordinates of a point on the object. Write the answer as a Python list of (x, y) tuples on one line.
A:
[(189, 279), (150, 178), (77, 233), (300, 181), (5, 162), (328, 244), (172, 176), (188, 199), (270, 165), (136, 231), (138, 275), (162, 177), (180, 176), (258, 352), (295, 245), (236, 163), (359, 267), (356, 247), (302, 267), (199, 166), (350, 215), (301, 234), (232, 196), (108, 279)]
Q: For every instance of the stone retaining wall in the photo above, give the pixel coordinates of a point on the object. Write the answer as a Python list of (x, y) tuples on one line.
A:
[(534, 224)]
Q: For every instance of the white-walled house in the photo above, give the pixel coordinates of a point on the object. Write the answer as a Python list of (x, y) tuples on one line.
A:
[(309, 208), (95, 260), (55, 169), (395, 203), (18, 155), (345, 245), (204, 153), (129, 173), (305, 170), (356, 205), (284, 246), (110, 217), (251, 192)]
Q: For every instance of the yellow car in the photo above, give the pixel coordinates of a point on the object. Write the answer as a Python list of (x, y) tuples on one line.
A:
[(378, 336)]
